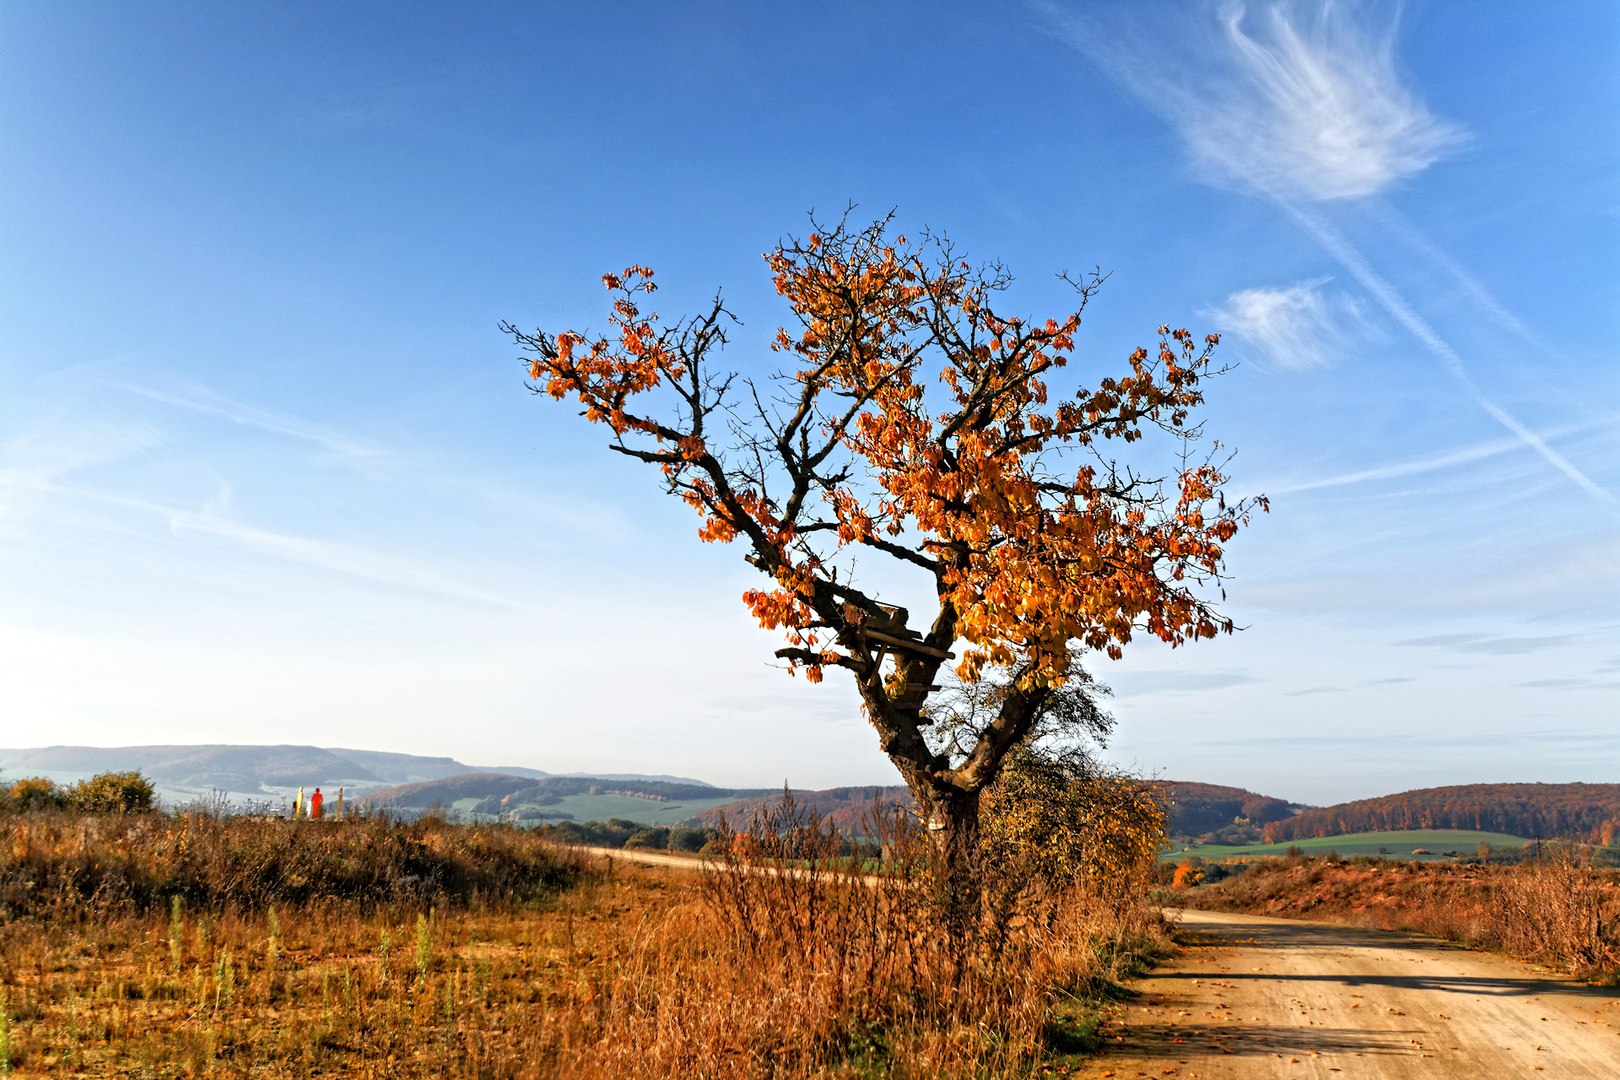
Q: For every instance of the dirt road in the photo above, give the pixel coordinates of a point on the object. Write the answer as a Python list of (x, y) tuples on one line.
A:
[(1259, 997), (647, 858)]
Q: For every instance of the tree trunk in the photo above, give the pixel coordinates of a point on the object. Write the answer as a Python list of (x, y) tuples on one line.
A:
[(951, 817)]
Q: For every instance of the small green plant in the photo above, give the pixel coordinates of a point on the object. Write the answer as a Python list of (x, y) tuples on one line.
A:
[(424, 947), (177, 927), (224, 980), (868, 1048), (5, 1037)]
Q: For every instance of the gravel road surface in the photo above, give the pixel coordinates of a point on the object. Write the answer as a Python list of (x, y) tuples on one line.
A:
[(1259, 997)]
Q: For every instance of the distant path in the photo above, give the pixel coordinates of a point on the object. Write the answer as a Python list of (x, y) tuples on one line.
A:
[(1261, 997), (651, 858)]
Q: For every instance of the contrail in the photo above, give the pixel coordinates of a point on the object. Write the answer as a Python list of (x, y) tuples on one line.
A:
[(1394, 303), (1404, 228)]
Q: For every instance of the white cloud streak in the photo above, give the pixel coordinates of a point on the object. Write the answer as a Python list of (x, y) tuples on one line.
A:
[(1465, 456)]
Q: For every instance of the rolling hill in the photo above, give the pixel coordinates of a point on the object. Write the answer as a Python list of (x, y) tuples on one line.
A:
[(1583, 812), (182, 773), (562, 798)]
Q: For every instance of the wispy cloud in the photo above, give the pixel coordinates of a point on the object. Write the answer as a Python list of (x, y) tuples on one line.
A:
[(1297, 102), (1293, 328), (349, 560), (1572, 684), (1302, 104), (1317, 110), (1493, 645), (1130, 684), (40, 458), (205, 402)]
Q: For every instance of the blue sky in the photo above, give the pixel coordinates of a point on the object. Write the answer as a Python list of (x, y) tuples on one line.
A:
[(268, 472)]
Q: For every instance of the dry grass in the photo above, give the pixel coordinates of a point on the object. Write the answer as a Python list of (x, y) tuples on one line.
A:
[(743, 972), (65, 864), (1559, 910)]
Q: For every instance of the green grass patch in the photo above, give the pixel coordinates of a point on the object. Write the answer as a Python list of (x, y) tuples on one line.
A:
[(1402, 845)]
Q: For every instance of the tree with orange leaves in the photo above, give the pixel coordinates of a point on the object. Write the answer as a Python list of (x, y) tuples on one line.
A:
[(1036, 544)]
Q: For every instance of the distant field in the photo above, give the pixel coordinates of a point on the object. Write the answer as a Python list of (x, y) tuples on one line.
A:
[(603, 807), (1462, 841)]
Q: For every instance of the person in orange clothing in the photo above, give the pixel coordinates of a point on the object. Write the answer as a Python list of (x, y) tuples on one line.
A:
[(315, 804)]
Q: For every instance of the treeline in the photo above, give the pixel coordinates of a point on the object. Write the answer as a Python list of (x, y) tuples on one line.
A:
[(630, 835), (1589, 813), (1194, 808)]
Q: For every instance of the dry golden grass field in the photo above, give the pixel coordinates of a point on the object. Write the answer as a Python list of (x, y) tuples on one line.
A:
[(145, 945)]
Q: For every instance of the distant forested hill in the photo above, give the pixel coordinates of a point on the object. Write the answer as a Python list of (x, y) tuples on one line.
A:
[(1585, 812), (1201, 808)]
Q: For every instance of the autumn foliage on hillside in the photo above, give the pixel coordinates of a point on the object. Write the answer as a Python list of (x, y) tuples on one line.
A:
[(1585, 812)]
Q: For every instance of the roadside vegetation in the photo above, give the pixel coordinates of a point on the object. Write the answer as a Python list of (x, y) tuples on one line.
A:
[(1561, 908)]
